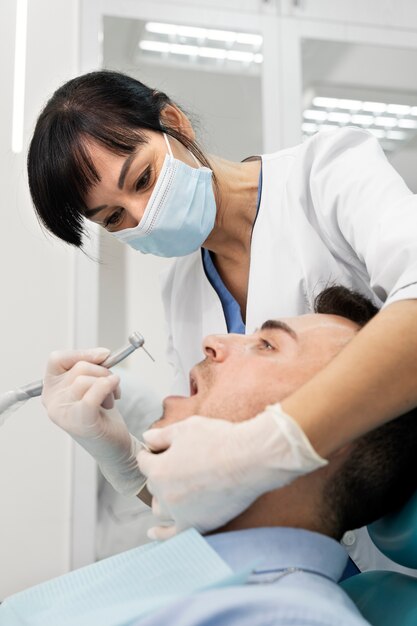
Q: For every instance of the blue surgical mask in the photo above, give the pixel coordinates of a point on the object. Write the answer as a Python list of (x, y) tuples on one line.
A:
[(180, 213)]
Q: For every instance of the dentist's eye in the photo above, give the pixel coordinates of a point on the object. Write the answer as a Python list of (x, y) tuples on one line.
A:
[(114, 219), (144, 179)]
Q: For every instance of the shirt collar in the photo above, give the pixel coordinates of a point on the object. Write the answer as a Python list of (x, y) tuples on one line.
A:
[(275, 549)]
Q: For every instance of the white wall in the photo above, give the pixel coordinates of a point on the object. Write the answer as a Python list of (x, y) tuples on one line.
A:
[(35, 316)]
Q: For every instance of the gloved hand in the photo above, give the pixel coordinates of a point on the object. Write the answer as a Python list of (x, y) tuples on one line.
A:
[(212, 470), (78, 395)]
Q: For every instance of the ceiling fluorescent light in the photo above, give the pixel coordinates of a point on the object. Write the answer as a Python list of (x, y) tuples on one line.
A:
[(374, 107), (160, 29), (249, 38), (238, 55), (325, 103), (191, 31), (379, 134), (386, 121), (176, 48), (176, 43), (351, 105), (308, 127), (362, 120), (312, 114), (155, 46), (212, 53), (407, 123), (196, 32), (397, 135), (390, 122), (398, 109), (205, 52), (221, 35), (339, 117)]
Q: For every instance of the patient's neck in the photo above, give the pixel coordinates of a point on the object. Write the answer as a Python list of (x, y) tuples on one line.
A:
[(298, 506)]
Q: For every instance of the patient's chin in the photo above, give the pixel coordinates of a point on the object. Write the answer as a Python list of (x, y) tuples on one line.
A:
[(176, 409)]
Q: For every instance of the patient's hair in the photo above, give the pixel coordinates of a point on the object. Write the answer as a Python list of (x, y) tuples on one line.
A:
[(380, 473), (378, 477), (339, 300)]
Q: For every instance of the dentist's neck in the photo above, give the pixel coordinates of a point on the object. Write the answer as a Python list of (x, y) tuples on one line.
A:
[(236, 200)]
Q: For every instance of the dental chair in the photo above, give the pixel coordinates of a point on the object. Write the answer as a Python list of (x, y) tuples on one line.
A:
[(390, 598)]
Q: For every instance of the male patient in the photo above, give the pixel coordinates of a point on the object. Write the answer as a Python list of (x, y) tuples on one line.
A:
[(292, 533)]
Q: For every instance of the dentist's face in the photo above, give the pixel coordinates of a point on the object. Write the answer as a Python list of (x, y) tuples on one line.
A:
[(119, 198), (243, 373)]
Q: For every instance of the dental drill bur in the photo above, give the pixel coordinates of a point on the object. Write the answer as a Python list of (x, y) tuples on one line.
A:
[(12, 399)]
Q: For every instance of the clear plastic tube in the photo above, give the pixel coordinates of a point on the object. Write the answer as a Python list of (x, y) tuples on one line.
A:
[(10, 402)]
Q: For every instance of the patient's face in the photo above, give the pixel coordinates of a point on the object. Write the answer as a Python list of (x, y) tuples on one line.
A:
[(241, 374)]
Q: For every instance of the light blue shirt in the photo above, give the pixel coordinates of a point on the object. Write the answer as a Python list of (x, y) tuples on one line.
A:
[(294, 584)]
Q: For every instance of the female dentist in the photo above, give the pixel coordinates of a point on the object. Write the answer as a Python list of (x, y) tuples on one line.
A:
[(254, 240)]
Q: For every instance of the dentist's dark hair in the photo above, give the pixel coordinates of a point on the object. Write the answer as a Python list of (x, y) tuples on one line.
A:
[(107, 107)]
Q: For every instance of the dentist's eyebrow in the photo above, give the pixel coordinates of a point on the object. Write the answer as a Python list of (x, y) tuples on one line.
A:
[(125, 169), (278, 325), (92, 212), (123, 173)]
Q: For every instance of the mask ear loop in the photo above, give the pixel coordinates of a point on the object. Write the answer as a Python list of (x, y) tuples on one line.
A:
[(168, 146), (170, 151)]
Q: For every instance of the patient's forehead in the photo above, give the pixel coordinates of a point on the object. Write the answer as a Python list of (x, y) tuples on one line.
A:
[(314, 323)]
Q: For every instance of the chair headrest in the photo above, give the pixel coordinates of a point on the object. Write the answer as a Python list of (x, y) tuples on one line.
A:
[(396, 534)]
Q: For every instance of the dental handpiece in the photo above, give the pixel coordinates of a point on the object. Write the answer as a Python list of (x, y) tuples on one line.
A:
[(32, 390)]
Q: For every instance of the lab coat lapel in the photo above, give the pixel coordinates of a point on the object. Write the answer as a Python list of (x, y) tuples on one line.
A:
[(276, 285)]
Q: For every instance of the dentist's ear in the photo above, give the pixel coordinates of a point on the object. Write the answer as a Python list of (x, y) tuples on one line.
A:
[(173, 117)]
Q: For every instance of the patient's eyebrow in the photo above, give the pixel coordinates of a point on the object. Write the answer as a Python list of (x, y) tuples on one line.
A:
[(278, 325)]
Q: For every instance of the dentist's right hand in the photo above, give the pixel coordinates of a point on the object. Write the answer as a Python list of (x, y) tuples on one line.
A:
[(78, 394)]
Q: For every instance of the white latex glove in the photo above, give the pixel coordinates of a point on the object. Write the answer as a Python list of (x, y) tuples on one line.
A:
[(78, 395), (212, 470)]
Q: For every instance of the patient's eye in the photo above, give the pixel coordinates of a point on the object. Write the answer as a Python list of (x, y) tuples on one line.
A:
[(265, 345)]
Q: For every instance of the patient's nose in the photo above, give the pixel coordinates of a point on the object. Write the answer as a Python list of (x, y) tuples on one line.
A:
[(216, 347)]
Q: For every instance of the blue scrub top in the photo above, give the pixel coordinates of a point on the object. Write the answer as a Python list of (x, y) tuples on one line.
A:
[(231, 308)]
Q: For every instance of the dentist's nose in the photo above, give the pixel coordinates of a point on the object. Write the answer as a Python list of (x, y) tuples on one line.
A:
[(134, 212)]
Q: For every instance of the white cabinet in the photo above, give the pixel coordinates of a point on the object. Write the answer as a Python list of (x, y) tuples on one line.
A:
[(387, 13)]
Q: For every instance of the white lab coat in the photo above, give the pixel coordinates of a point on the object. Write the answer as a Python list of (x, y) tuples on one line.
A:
[(332, 211)]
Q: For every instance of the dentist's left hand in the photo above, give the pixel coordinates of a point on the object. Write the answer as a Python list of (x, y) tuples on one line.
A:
[(208, 470), (78, 394)]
